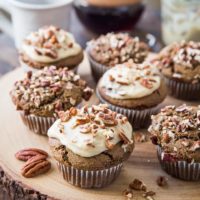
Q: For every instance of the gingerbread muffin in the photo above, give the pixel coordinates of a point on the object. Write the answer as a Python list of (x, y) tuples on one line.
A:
[(90, 145), (175, 130), (135, 90), (50, 46), (180, 65), (112, 49), (40, 95)]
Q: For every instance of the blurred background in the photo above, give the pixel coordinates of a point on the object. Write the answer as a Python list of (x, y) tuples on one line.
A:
[(159, 22)]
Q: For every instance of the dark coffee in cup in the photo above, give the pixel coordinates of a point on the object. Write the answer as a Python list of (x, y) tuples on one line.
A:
[(101, 18)]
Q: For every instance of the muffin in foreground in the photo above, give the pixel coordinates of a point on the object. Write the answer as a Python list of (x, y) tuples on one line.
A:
[(180, 65), (40, 95), (112, 49), (90, 145), (135, 90), (175, 130), (50, 46)]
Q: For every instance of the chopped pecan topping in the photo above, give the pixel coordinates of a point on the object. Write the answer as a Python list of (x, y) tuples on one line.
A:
[(49, 90), (112, 49), (123, 137), (176, 131), (146, 83)]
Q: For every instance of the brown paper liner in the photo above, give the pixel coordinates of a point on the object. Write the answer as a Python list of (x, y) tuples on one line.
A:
[(36, 124), (97, 69), (138, 118), (180, 169), (181, 90), (89, 179)]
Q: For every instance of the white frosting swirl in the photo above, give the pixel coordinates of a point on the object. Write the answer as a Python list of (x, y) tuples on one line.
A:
[(130, 81), (89, 144), (42, 41)]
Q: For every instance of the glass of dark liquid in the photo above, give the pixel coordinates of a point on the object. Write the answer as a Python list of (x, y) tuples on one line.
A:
[(102, 16)]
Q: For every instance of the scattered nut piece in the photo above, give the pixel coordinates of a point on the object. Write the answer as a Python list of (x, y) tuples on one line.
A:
[(149, 195), (141, 137), (128, 194), (161, 181), (137, 185)]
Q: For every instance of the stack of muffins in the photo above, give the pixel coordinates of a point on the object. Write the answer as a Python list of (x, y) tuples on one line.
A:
[(90, 144)]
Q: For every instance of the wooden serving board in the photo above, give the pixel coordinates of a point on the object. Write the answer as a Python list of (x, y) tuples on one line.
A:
[(143, 163)]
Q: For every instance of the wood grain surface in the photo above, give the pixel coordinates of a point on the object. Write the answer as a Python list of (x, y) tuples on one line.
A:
[(143, 163)]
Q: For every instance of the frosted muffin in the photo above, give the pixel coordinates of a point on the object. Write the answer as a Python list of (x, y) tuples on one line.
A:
[(90, 145), (180, 65), (114, 48), (40, 95), (50, 46), (133, 90), (175, 130)]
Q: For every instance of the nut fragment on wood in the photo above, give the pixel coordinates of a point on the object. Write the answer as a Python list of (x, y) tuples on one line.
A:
[(161, 181), (26, 154), (141, 137), (149, 195), (137, 184), (128, 194)]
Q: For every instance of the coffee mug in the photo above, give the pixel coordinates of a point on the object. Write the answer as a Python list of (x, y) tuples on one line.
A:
[(28, 16)]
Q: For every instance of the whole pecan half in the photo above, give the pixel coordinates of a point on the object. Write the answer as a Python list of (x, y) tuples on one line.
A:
[(26, 154), (35, 166)]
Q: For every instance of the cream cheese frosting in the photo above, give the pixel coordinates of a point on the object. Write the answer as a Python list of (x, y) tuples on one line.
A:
[(50, 44), (130, 81), (90, 131)]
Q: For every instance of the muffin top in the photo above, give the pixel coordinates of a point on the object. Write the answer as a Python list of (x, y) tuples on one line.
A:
[(177, 131), (49, 90), (89, 131), (181, 61), (130, 81), (112, 49), (50, 44)]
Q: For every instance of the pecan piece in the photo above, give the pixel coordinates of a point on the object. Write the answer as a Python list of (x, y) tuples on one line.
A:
[(35, 166), (87, 93), (109, 144), (64, 116), (128, 193), (123, 137), (161, 181), (146, 83), (149, 195), (50, 53), (138, 185), (26, 154)]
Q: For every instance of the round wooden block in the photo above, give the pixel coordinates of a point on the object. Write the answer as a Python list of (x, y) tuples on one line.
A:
[(143, 163)]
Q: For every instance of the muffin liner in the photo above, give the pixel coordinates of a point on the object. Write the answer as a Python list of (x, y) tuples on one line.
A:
[(181, 90), (97, 69), (87, 178), (180, 169), (37, 124), (138, 118)]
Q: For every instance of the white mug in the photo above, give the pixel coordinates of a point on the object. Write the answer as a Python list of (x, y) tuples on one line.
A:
[(29, 15)]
